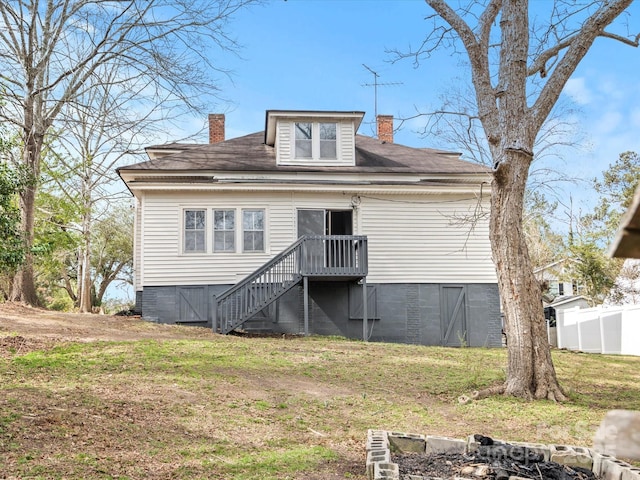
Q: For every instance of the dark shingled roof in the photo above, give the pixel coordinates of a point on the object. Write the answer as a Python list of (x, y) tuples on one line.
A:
[(249, 153)]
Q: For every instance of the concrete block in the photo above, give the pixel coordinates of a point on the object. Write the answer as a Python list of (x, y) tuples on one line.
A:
[(407, 443), (377, 456), (571, 456), (539, 448), (386, 471), (612, 468), (619, 434), (445, 445), (377, 440), (598, 459), (632, 473)]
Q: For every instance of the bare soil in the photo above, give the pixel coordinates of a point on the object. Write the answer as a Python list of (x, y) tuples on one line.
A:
[(47, 326)]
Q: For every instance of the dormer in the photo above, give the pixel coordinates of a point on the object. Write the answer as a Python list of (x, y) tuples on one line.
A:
[(313, 138)]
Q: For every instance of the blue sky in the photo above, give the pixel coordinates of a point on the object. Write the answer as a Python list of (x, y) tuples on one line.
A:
[(309, 54)]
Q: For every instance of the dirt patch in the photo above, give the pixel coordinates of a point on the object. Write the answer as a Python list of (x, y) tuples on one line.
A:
[(27, 322)]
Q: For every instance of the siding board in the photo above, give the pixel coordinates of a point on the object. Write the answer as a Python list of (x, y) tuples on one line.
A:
[(412, 238)]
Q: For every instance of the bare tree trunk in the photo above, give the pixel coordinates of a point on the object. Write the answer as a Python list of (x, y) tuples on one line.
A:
[(530, 371), (23, 287), (84, 282)]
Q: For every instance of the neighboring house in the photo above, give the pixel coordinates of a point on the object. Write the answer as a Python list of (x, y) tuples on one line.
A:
[(323, 217), (556, 276)]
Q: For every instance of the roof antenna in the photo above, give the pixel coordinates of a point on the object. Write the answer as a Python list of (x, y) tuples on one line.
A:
[(375, 85)]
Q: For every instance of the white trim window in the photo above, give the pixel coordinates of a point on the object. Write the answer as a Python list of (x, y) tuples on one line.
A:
[(253, 230), (316, 140), (195, 231), (224, 230)]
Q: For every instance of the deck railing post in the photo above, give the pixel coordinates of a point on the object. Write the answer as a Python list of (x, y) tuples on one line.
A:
[(214, 315), (305, 282), (365, 301)]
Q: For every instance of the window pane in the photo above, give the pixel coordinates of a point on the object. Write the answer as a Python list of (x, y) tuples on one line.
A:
[(247, 220), (258, 220), (194, 230), (328, 149), (189, 242), (224, 231), (224, 242), (328, 142), (253, 230), (303, 131), (223, 220), (253, 241), (304, 142), (200, 219), (327, 131), (253, 219), (199, 241), (189, 219)]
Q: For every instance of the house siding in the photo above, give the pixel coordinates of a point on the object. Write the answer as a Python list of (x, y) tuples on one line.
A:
[(137, 241), (412, 238)]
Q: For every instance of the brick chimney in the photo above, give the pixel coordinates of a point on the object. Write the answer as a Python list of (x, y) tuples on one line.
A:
[(385, 128), (216, 127)]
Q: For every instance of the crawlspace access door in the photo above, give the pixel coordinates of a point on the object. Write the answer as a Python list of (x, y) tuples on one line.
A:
[(453, 308)]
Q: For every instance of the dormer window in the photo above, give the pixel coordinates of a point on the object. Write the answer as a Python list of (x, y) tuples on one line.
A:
[(313, 138), (316, 140)]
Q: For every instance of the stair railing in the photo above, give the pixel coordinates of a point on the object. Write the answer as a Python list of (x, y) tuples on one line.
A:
[(315, 255), (258, 289)]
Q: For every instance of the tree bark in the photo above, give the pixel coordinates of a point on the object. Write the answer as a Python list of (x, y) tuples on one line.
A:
[(530, 371), (23, 287)]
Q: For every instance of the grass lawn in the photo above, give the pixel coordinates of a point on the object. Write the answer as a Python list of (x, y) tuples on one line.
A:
[(268, 408)]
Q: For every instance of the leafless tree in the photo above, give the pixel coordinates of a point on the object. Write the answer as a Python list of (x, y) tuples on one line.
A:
[(98, 129), (50, 53), (519, 65)]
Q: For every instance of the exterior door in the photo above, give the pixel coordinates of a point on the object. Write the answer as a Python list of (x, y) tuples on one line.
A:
[(312, 222), (453, 307), (320, 254)]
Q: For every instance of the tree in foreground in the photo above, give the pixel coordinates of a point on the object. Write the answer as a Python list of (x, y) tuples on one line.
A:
[(12, 248), (518, 70), (51, 51)]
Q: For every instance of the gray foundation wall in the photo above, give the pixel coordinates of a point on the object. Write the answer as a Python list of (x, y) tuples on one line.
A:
[(423, 314)]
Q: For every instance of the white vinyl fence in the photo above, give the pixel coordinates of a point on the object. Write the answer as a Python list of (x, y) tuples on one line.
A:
[(601, 329)]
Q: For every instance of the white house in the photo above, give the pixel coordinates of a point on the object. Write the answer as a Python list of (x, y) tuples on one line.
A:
[(557, 277), (322, 217)]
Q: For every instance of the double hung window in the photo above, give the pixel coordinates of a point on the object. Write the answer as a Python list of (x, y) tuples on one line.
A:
[(253, 230), (228, 229), (224, 230), (195, 238), (316, 140)]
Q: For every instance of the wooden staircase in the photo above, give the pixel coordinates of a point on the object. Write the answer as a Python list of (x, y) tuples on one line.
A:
[(318, 257)]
